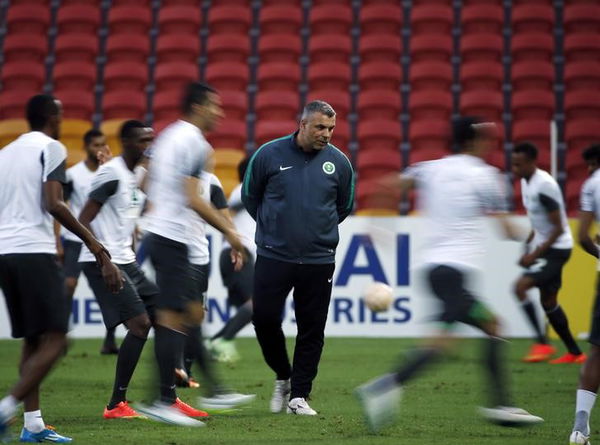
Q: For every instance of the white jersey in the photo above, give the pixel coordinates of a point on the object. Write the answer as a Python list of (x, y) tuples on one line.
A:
[(243, 222), (590, 198), (117, 188), (542, 195), (79, 179), (455, 192), (25, 164), (210, 190), (179, 152)]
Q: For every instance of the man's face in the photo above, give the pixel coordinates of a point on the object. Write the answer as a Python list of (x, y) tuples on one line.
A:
[(140, 141), (97, 145), (211, 111), (592, 165), (521, 166), (56, 120), (316, 130)]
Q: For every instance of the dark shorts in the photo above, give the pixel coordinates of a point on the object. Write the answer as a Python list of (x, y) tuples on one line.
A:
[(173, 273), (138, 295), (199, 275), (239, 284), (547, 270), (33, 286), (447, 283), (71, 264), (594, 337)]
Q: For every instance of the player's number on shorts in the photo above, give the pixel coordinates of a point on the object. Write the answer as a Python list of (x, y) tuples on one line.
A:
[(539, 264)]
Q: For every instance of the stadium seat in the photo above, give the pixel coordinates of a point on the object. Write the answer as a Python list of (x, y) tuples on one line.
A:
[(379, 104), (533, 104), (77, 104), (530, 47), (339, 100), (430, 47), (268, 130), (573, 192), (487, 104), (582, 75), (380, 75), (129, 19), (78, 19), (235, 104), (582, 46), (335, 76), (481, 47), (341, 135), (76, 48), (432, 105), (379, 135), (331, 19), (582, 104), (231, 135), (533, 18), (179, 19), (228, 47), (24, 48), (369, 197), (428, 139), (376, 212), (532, 75), (380, 48), (538, 132), (228, 76), (125, 76), (11, 129), (177, 48), (279, 48), (481, 75), (12, 103), (425, 75), (166, 106), (427, 19), (128, 48), (71, 135), (111, 129), (228, 19), (275, 105), (278, 77), (482, 17), (28, 19), (332, 48), (582, 18), (23, 76), (226, 163), (76, 76), (579, 134), (124, 104), (79, 2), (376, 164), (385, 18), (280, 19), (174, 75)]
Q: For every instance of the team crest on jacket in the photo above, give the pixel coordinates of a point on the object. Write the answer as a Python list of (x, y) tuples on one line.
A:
[(328, 167)]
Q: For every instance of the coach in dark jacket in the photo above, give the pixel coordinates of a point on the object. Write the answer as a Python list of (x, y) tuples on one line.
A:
[(298, 188)]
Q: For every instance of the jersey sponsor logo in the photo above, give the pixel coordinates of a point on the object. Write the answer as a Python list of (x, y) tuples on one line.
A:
[(282, 168), (328, 167)]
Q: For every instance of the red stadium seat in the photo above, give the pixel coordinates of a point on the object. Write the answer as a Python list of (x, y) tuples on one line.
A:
[(129, 19), (125, 104), (529, 47), (167, 106), (376, 164), (575, 180), (77, 104), (481, 75), (179, 19), (335, 76), (128, 48), (23, 76), (268, 130), (25, 48), (278, 77), (79, 2), (125, 76), (582, 46), (228, 76), (482, 17), (582, 18), (339, 100), (380, 75), (482, 47), (329, 19), (430, 47), (433, 105), (232, 48), (538, 132), (429, 139), (426, 75), (78, 76), (232, 135), (235, 104), (379, 135), (332, 48), (277, 105), (379, 104), (279, 48), (532, 75), (582, 104), (579, 134), (174, 75), (28, 19), (370, 198), (177, 48), (76, 48), (533, 18), (582, 75), (426, 19), (380, 48), (12, 103), (78, 18), (341, 134), (385, 18), (280, 19), (487, 104)]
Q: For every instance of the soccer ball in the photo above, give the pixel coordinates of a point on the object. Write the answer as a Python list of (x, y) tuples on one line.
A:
[(378, 296)]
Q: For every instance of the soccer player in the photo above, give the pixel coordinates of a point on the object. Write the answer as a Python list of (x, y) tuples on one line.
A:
[(548, 249), (114, 203), (590, 371), (239, 283), (32, 173), (454, 193), (76, 189), (177, 160), (298, 188)]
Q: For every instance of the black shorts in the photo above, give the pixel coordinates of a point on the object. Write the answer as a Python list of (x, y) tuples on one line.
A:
[(137, 296), (594, 337), (447, 283), (199, 275), (33, 286), (547, 270), (71, 264), (239, 284), (173, 273)]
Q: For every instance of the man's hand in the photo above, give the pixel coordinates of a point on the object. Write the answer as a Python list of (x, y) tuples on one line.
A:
[(237, 248), (237, 259), (110, 273), (528, 259)]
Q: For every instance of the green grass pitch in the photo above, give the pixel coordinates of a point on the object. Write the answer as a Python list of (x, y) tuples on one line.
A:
[(438, 408)]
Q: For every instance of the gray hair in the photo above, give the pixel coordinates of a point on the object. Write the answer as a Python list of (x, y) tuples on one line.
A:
[(318, 106)]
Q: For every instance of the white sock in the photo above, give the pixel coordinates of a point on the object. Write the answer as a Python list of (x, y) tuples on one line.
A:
[(8, 407), (585, 401), (34, 421)]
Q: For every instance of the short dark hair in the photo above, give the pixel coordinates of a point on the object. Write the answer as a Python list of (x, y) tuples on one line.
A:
[(592, 153), (40, 108), (242, 167), (318, 106), (128, 127), (196, 93), (466, 129), (91, 134), (528, 149)]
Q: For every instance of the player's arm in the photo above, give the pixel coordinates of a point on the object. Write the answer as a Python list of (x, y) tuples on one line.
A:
[(586, 220), (552, 208), (345, 196), (254, 184), (218, 199)]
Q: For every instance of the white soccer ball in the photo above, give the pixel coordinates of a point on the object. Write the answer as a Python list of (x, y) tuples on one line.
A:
[(378, 296)]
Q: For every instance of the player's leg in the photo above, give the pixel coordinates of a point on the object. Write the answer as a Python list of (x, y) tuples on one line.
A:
[(522, 286), (558, 320)]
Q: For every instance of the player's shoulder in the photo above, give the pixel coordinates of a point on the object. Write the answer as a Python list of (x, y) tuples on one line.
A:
[(339, 155), (592, 184)]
